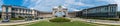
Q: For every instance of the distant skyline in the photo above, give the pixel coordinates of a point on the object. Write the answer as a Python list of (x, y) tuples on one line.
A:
[(47, 5)]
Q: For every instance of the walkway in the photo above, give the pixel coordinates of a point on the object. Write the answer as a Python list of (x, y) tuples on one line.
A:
[(73, 19), (98, 21), (20, 22)]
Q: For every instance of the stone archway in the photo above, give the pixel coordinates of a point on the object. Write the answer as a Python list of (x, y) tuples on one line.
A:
[(60, 9)]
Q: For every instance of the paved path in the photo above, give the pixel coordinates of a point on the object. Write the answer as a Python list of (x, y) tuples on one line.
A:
[(73, 19), (13, 21), (20, 22), (98, 21)]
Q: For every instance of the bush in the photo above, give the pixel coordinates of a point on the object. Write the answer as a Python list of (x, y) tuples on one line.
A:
[(16, 18), (59, 19), (113, 19), (0, 18)]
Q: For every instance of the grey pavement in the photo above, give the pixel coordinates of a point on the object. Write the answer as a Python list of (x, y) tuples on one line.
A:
[(73, 19), (17, 22), (98, 21)]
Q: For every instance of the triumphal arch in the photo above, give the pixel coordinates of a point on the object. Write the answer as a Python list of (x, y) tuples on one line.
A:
[(57, 9), (60, 9)]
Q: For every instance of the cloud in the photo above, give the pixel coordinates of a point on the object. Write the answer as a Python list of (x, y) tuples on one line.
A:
[(109, 1), (118, 2), (75, 9), (113, 2), (73, 2), (0, 5), (1, 2), (29, 3), (47, 5), (72, 5), (42, 5)]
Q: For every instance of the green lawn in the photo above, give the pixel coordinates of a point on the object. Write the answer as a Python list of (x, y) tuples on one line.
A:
[(0, 18), (76, 23)]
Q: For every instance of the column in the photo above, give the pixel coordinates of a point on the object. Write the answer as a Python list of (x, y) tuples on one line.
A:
[(66, 13), (53, 13), (6, 14), (3, 12), (18, 10)]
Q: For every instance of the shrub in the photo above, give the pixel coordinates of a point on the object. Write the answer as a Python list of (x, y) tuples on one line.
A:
[(0, 18), (16, 18), (59, 19), (113, 19)]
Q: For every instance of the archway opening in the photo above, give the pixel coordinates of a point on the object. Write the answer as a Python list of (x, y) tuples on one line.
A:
[(59, 14)]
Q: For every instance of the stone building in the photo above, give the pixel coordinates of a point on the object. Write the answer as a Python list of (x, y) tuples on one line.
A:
[(109, 11)]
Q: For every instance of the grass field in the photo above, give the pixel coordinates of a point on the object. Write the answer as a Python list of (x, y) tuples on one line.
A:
[(76, 23)]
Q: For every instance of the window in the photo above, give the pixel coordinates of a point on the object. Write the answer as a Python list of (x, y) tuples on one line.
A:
[(106, 8)]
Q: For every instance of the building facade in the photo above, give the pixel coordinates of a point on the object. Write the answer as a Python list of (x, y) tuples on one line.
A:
[(101, 11), (9, 11), (78, 13)]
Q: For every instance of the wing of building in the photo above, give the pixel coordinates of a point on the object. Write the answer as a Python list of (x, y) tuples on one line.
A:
[(106, 11)]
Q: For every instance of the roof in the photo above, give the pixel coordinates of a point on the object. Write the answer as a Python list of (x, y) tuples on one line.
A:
[(14, 6)]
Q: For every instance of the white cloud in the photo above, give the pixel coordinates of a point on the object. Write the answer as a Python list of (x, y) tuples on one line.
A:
[(42, 5), (118, 2), (31, 3), (73, 2), (113, 2), (75, 10), (24, 2), (109, 1), (1, 4), (35, 3), (77, 3), (47, 5)]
